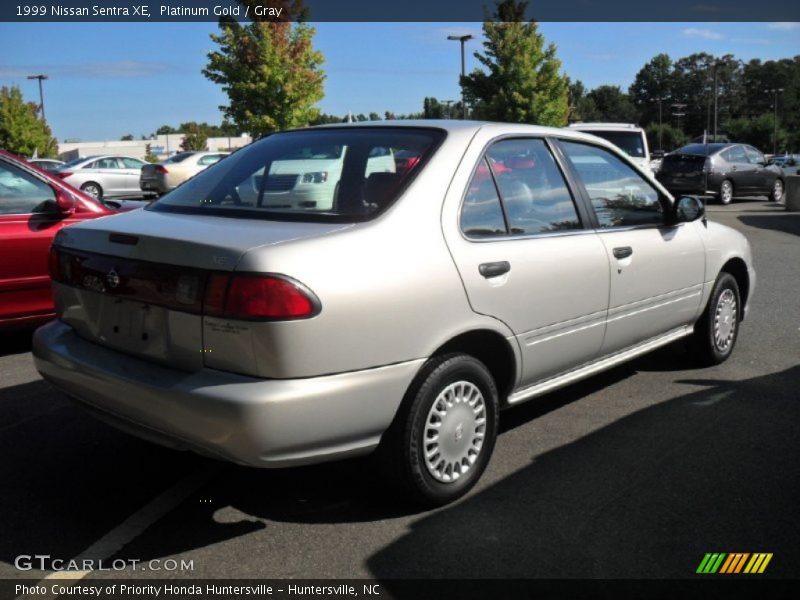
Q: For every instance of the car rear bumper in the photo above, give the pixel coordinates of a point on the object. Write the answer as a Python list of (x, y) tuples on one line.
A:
[(256, 422)]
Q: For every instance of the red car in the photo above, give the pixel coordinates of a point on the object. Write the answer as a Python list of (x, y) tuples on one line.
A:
[(34, 205)]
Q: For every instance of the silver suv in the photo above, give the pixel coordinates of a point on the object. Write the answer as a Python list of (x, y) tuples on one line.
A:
[(442, 272)]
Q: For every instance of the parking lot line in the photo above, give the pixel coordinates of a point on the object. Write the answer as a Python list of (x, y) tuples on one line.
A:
[(124, 533)]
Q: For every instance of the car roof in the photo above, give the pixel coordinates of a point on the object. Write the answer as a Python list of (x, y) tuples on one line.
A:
[(606, 126)]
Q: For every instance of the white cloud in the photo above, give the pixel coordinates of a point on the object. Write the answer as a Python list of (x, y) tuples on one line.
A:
[(784, 25), (706, 34)]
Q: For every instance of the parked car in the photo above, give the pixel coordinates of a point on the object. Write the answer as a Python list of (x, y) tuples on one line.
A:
[(104, 176), (788, 163), (169, 174), (628, 137), (33, 207), (46, 164), (720, 170), (399, 315)]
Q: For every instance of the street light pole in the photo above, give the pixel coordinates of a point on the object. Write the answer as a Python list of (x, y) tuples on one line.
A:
[(660, 126), (41, 93), (715, 101), (774, 91), (463, 39)]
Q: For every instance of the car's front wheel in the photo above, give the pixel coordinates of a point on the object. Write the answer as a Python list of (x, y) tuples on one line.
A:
[(444, 434), (777, 191), (715, 333), (726, 192)]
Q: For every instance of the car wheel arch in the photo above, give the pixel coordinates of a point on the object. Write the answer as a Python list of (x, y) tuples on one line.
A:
[(491, 348), (738, 269)]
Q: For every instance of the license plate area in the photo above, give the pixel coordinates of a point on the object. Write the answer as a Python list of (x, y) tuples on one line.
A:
[(134, 327)]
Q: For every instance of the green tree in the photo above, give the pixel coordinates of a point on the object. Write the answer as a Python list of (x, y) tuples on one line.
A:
[(373, 116), (194, 138), (757, 132), (653, 85), (21, 131), (581, 106), (670, 138), (270, 72), (522, 82), (612, 104), (126, 138), (166, 129)]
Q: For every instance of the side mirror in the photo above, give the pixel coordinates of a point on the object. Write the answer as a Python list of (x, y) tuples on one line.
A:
[(688, 209), (65, 202)]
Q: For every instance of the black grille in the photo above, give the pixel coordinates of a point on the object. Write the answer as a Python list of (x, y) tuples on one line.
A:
[(277, 183)]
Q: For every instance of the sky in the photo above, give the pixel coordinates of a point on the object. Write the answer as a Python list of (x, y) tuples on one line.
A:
[(107, 80)]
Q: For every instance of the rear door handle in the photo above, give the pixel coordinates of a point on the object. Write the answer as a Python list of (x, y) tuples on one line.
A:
[(494, 269), (623, 252)]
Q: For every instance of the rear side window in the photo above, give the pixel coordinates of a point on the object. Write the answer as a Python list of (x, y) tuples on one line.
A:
[(21, 193), (736, 154), (481, 214), (534, 193), (209, 159), (620, 196), (340, 174), (105, 163)]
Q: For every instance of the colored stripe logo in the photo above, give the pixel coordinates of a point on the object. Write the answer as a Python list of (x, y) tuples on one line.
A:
[(736, 562)]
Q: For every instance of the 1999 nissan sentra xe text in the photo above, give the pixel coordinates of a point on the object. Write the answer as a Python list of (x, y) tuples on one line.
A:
[(401, 312)]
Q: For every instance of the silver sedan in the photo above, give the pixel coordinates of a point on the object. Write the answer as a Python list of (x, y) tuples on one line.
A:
[(104, 176), (444, 271)]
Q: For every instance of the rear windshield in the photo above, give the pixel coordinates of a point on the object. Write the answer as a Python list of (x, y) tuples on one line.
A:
[(336, 174), (180, 157), (700, 149), (630, 142)]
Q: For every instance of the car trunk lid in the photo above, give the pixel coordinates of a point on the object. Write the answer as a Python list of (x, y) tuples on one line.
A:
[(135, 282)]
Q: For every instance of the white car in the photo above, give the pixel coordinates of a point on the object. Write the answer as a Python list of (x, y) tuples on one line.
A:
[(169, 174), (103, 176), (629, 138)]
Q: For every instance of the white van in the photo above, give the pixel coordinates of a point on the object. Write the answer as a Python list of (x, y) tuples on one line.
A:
[(629, 138)]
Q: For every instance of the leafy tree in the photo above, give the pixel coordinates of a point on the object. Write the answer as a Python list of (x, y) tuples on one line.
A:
[(195, 137), (671, 137), (581, 106), (166, 129), (757, 131), (653, 84), (21, 131), (373, 116), (612, 104), (522, 82), (270, 72), (126, 138)]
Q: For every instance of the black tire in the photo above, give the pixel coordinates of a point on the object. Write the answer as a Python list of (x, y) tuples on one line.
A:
[(725, 197), (778, 190), (402, 449), (89, 188), (705, 345)]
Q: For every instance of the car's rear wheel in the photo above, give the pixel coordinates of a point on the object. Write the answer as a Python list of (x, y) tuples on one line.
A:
[(715, 333), (93, 189), (726, 192), (444, 434), (777, 191)]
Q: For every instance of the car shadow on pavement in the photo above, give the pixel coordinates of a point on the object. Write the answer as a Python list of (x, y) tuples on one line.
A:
[(644, 497), (785, 222)]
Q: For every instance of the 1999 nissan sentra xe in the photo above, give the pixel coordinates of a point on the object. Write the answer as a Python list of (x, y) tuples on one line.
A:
[(401, 312)]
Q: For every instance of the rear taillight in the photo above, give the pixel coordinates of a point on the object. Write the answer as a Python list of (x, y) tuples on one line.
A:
[(63, 174), (161, 169), (249, 296)]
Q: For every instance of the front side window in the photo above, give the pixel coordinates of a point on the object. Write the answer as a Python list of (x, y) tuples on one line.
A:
[(754, 156), (341, 174), (132, 163), (21, 193), (621, 197)]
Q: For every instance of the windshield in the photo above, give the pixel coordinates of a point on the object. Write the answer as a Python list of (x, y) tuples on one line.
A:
[(327, 174), (630, 142)]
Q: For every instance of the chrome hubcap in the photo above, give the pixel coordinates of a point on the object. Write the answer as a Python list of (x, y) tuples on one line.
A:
[(727, 192), (454, 431), (725, 321)]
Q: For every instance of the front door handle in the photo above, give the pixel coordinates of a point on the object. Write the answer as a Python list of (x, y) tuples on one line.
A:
[(623, 252), (494, 269)]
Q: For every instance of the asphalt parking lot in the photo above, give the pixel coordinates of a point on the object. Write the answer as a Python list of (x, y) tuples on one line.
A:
[(635, 473)]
